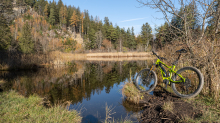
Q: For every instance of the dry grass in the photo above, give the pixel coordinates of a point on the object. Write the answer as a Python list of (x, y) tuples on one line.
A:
[(119, 56), (202, 60), (209, 109), (131, 92), (16, 108), (168, 106), (108, 119), (28, 61), (108, 112)]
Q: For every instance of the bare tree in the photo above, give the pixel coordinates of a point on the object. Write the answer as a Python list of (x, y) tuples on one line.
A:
[(203, 50)]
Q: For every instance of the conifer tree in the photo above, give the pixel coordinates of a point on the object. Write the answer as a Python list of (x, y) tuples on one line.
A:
[(52, 16), (25, 41), (146, 34), (132, 43), (63, 15), (5, 34), (30, 2)]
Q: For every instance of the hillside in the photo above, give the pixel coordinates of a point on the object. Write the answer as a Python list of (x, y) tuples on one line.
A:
[(53, 26), (44, 36)]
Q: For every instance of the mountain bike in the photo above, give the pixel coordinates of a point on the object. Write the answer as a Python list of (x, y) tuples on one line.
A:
[(187, 82)]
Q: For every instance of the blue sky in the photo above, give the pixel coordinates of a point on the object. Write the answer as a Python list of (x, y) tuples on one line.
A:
[(124, 13)]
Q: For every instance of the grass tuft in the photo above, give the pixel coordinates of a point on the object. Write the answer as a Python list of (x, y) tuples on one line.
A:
[(16, 108), (168, 106), (131, 92)]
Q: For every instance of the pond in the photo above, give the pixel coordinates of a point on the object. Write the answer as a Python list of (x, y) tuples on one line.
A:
[(90, 87)]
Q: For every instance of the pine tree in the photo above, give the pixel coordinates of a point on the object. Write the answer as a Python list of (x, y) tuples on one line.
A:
[(25, 41), (213, 20), (55, 12), (187, 20), (86, 22), (5, 34), (92, 39), (30, 2), (52, 16), (59, 5), (162, 35), (39, 6), (146, 35), (132, 43)]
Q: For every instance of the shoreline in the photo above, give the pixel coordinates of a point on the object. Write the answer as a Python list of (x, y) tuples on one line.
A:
[(118, 56), (28, 62)]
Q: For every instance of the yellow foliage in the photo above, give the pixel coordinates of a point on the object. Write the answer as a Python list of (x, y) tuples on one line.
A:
[(63, 12), (18, 36), (64, 40), (81, 17), (45, 10), (78, 46), (74, 19), (12, 29)]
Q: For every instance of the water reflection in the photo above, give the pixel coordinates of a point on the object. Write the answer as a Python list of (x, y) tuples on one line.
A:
[(87, 85)]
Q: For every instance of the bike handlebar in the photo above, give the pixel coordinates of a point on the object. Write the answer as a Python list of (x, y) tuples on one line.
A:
[(158, 56), (178, 51)]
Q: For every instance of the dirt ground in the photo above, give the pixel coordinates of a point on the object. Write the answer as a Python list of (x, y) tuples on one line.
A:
[(155, 108)]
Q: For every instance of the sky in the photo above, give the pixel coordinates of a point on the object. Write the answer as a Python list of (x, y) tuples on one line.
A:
[(124, 13)]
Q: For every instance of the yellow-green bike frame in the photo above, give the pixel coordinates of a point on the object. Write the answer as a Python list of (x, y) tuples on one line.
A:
[(171, 71)]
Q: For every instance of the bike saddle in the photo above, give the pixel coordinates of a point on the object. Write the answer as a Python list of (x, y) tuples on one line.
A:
[(181, 51)]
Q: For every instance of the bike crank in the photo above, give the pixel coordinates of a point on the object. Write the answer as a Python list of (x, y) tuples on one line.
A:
[(166, 81)]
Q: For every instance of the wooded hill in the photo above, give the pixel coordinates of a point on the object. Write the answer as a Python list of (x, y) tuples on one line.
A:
[(39, 26), (43, 26)]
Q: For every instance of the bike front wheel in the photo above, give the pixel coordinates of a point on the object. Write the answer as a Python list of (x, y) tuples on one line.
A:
[(146, 80), (193, 84)]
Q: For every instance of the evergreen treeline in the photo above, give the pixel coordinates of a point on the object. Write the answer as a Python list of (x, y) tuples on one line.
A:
[(44, 31), (97, 34), (175, 31)]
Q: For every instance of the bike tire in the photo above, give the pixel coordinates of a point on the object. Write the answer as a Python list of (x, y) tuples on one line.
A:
[(142, 80), (193, 77)]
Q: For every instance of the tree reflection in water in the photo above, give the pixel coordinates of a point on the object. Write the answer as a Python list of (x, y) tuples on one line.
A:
[(76, 82)]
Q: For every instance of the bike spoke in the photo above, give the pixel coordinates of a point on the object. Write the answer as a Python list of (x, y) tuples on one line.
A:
[(191, 83)]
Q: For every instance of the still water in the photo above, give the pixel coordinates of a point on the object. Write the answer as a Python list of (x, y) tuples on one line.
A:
[(90, 87)]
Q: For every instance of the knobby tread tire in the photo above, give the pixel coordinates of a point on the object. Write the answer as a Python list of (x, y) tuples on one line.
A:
[(154, 85), (197, 91)]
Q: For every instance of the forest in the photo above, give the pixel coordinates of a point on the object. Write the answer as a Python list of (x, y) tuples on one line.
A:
[(48, 26)]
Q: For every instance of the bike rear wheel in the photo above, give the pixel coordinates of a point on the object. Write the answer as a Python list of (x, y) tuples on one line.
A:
[(146, 80), (193, 84)]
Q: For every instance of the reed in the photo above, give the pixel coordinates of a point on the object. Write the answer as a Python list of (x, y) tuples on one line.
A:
[(132, 94)]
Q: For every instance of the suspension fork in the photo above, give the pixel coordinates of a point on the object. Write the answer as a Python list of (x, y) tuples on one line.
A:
[(153, 67)]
